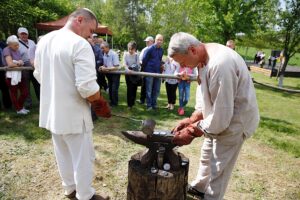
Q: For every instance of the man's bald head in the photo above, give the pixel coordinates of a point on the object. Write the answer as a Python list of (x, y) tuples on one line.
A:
[(83, 22), (230, 44), (85, 12), (159, 39)]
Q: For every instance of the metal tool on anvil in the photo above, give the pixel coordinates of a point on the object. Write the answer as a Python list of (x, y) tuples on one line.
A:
[(160, 153)]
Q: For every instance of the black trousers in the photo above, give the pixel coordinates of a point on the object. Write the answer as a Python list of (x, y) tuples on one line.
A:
[(143, 91), (113, 85), (131, 92), (101, 81), (171, 92), (5, 92), (28, 75)]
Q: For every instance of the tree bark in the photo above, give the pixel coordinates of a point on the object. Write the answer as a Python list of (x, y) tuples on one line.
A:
[(162, 185)]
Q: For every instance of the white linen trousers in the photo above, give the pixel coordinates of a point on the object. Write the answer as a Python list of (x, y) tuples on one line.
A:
[(75, 157)]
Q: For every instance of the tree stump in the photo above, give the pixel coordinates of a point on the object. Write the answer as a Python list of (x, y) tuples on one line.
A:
[(145, 183)]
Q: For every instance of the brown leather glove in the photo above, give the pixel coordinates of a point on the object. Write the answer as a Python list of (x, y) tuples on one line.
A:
[(186, 135), (101, 108), (196, 116)]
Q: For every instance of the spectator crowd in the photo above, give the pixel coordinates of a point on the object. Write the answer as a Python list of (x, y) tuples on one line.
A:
[(20, 51)]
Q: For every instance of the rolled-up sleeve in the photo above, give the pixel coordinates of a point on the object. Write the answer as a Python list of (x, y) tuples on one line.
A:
[(222, 88), (85, 73), (37, 65)]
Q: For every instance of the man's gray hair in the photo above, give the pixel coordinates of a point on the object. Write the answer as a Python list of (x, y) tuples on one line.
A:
[(180, 42), (84, 12), (104, 44)]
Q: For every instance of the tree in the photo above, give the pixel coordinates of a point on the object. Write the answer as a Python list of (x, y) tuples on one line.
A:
[(289, 29), (221, 20), (28, 12)]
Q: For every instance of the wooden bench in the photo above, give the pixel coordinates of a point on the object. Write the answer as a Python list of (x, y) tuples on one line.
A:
[(256, 69)]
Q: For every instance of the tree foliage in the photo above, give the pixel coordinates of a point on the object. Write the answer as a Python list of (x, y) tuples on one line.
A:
[(27, 13)]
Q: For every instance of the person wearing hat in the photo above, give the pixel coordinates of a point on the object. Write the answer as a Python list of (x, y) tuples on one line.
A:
[(25, 47), (149, 41)]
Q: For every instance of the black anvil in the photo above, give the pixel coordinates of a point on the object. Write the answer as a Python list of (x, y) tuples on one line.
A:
[(160, 150)]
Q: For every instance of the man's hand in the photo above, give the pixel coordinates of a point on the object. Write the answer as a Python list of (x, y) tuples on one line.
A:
[(182, 124), (196, 116), (186, 135), (101, 107)]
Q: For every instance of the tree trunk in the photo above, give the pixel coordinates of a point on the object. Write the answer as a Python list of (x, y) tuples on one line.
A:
[(148, 184), (282, 70)]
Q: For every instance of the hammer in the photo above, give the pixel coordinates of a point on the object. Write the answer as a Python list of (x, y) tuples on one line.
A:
[(148, 125)]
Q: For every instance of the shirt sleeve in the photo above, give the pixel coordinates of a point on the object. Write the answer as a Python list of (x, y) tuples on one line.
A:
[(37, 65), (115, 60), (222, 88), (125, 61), (146, 56), (199, 102), (141, 55), (85, 73)]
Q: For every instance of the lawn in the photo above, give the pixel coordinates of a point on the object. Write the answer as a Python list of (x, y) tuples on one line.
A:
[(290, 82), (248, 54), (268, 166)]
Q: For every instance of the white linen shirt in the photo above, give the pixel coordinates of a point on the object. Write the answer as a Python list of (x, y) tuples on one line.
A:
[(226, 95), (65, 68)]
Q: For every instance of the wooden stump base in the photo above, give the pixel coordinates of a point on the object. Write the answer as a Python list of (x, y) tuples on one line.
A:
[(162, 185)]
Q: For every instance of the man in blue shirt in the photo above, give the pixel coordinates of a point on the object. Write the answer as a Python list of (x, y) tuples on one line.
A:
[(111, 63), (152, 63)]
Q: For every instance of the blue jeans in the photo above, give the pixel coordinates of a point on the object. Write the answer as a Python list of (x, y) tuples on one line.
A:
[(184, 93), (152, 91)]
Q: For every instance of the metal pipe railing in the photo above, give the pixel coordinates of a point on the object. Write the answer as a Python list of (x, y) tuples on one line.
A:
[(156, 75)]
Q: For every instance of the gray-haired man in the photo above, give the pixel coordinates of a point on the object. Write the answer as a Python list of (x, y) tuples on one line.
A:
[(226, 111)]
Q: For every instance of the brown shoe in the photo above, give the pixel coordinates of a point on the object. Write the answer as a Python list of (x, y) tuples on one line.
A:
[(99, 197), (72, 196)]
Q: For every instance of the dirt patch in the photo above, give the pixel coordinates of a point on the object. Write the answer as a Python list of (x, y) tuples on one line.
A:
[(28, 170)]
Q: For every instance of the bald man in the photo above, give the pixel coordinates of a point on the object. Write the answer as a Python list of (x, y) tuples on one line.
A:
[(152, 62), (230, 44), (65, 68)]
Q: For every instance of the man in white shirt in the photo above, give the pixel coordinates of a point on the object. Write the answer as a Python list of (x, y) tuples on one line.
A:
[(226, 111), (25, 47), (111, 63), (149, 41), (65, 68)]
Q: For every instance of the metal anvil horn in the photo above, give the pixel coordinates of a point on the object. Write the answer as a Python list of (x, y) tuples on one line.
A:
[(160, 146)]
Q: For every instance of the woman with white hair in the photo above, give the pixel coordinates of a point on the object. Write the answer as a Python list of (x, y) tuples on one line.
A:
[(14, 80)]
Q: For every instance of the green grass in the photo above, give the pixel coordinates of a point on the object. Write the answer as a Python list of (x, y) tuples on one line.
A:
[(290, 83), (280, 116), (248, 54), (279, 126)]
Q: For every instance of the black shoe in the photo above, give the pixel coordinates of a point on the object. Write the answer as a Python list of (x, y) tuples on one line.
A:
[(72, 196), (194, 192), (99, 197)]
